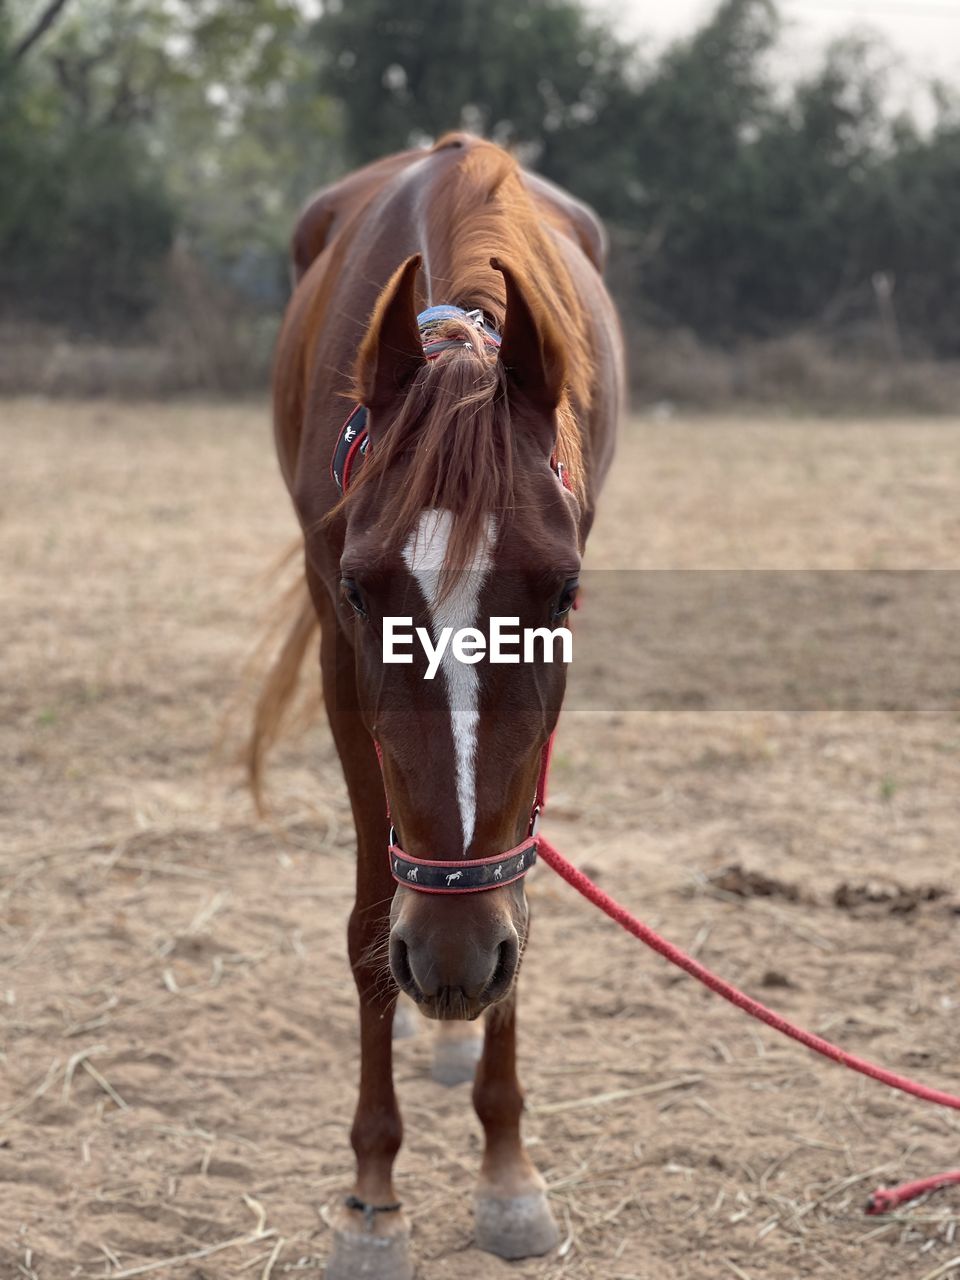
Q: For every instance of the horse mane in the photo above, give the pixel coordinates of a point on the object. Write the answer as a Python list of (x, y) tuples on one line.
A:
[(486, 210), (454, 422)]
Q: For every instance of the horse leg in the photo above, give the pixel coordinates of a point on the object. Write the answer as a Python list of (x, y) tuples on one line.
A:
[(513, 1218), (456, 1051), (406, 1019), (456, 1046), (370, 1232)]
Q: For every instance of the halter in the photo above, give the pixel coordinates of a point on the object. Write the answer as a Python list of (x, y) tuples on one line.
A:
[(470, 875), (437, 875)]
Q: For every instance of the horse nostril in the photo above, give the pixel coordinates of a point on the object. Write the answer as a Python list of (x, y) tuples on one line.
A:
[(456, 979), (508, 957), (400, 965)]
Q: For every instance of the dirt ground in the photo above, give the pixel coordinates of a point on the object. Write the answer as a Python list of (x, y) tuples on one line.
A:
[(178, 1021)]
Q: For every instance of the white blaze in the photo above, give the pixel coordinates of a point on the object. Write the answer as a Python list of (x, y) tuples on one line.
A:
[(424, 555)]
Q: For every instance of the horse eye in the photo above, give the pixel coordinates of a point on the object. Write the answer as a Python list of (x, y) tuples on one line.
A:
[(567, 596), (354, 599)]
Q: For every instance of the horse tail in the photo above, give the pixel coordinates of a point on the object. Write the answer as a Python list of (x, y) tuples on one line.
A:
[(276, 665)]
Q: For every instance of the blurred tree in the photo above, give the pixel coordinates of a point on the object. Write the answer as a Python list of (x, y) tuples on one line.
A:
[(810, 173), (907, 227), (41, 24), (737, 204), (83, 213), (406, 71), (699, 120), (246, 137), (133, 120)]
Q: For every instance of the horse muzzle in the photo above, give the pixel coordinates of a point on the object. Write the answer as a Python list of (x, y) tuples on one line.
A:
[(457, 970)]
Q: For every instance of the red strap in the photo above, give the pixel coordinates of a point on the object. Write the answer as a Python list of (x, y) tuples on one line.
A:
[(545, 757), (886, 1199), (379, 751), (528, 843), (883, 1200), (583, 884), (351, 456)]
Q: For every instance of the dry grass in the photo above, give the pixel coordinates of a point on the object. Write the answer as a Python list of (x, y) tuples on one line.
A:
[(200, 343), (200, 337), (803, 371), (179, 1024)]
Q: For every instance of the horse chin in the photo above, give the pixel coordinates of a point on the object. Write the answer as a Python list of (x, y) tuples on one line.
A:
[(455, 1006), (495, 999), (451, 1010), (454, 1009)]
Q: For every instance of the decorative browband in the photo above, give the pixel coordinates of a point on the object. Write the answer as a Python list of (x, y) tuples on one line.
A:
[(470, 876)]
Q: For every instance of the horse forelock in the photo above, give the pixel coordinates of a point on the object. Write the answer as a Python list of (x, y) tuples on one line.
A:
[(449, 446)]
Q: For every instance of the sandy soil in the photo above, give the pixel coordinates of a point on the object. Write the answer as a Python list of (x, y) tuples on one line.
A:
[(177, 1016)]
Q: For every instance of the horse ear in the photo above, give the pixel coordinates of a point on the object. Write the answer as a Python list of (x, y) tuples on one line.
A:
[(391, 353), (531, 350)]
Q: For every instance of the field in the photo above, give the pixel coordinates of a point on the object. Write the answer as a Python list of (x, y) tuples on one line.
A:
[(178, 1019)]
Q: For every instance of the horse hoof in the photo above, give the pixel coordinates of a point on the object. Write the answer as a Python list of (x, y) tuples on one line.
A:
[(379, 1250), (455, 1060), (406, 1020), (515, 1226)]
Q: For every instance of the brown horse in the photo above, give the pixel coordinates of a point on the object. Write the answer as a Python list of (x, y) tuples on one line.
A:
[(488, 426)]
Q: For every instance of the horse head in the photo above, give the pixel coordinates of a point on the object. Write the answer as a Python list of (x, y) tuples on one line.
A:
[(460, 515)]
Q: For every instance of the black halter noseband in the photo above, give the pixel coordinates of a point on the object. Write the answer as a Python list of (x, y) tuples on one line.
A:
[(469, 875)]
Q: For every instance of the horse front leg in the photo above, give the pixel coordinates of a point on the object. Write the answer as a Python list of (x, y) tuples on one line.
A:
[(456, 1051), (456, 1047), (513, 1218), (370, 1231)]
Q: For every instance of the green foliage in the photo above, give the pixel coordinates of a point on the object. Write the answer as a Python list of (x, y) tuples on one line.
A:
[(755, 209), (132, 122), (246, 137), (410, 69), (84, 215), (83, 225), (909, 228), (737, 204)]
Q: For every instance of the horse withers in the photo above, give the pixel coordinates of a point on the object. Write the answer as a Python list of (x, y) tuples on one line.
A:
[(457, 302)]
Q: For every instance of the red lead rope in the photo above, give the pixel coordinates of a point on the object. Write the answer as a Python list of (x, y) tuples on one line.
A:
[(882, 1200)]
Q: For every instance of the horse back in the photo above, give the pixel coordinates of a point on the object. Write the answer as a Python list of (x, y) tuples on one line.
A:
[(331, 208)]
